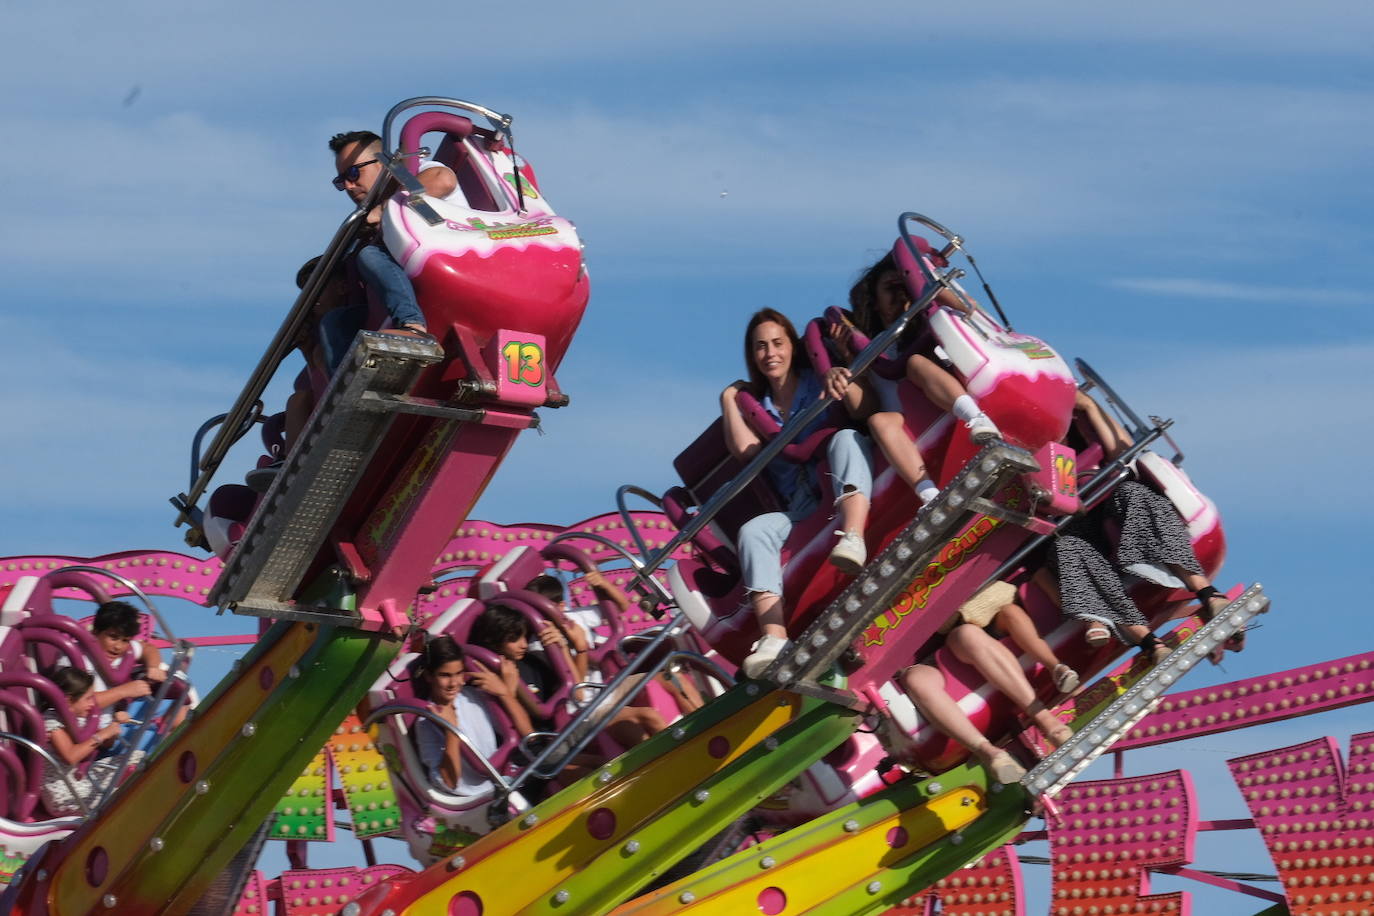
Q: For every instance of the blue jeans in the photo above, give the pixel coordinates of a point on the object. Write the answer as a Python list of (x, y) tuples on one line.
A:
[(388, 280), (761, 538)]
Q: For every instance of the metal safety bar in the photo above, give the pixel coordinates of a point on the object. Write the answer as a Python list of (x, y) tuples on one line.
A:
[(60, 768), (1093, 380), (625, 516), (281, 346), (498, 120), (284, 341), (636, 564), (1107, 476), (675, 627), (598, 709), (397, 709)]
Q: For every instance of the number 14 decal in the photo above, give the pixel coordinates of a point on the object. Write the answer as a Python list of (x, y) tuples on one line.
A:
[(524, 363)]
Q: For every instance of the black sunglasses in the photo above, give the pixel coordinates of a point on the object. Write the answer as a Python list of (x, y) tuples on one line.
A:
[(350, 174)]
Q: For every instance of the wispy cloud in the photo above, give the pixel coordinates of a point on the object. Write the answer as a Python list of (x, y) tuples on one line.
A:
[(1216, 289)]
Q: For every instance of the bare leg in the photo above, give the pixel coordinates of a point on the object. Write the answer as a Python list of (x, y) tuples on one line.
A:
[(1194, 582), (853, 514), (937, 384), (1017, 623), (768, 609), (973, 646), (889, 429), (298, 408), (926, 686), (634, 725)]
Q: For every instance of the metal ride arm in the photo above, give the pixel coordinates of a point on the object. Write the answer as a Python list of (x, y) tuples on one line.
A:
[(832, 632), (281, 346), (869, 856), (1097, 736)]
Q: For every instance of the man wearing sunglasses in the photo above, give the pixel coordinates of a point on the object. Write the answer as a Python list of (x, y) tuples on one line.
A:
[(357, 168)]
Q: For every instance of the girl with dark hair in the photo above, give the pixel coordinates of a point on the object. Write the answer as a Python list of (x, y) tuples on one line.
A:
[(459, 694), (877, 300), (64, 796), (785, 383)]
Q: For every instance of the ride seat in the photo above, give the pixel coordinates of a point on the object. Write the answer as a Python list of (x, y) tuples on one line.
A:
[(437, 801), (455, 151), (512, 571)]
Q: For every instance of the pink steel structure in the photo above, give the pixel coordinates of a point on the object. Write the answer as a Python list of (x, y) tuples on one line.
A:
[(1313, 807)]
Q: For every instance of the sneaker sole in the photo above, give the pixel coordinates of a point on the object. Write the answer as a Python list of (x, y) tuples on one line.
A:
[(847, 565)]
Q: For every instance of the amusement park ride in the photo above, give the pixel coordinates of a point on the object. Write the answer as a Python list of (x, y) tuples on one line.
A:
[(819, 787)]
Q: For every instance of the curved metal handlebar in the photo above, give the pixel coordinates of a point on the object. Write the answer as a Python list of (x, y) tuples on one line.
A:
[(910, 216), (57, 767), (500, 121), (142, 596), (638, 565), (627, 518), (396, 709)]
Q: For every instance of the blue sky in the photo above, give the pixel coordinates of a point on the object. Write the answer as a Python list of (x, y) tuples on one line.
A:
[(1176, 192)]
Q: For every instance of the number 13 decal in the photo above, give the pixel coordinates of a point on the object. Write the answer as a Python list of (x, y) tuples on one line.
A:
[(524, 363)]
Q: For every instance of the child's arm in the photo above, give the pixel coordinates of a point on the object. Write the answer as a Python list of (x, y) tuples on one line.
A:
[(130, 690), (152, 663), (505, 687), (950, 299), (1112, 435), (73, 752), (606, 589), (451, 763), (553, 640)]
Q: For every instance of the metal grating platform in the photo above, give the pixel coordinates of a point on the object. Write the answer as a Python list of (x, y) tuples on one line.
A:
[(284, 535), (878, 584)]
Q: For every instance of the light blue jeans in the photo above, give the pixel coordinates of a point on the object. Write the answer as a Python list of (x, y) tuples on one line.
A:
[(388, 280), (761, 538)]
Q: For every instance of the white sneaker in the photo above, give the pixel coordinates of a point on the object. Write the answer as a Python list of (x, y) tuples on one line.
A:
[(983, 429), (850, 554), (764, 653)]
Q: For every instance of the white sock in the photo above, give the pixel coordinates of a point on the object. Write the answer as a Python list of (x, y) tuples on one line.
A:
[(926, 490), (965, 408)]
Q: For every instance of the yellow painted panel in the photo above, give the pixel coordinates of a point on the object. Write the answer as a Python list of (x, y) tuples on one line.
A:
[(135, 817), (816, 875), (528, 863)]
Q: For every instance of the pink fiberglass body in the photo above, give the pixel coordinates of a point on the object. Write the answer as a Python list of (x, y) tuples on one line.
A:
[(502, 258)]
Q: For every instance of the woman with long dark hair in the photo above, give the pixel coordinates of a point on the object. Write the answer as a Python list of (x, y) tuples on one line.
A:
[(783, 380)]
